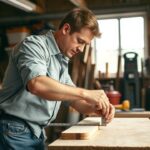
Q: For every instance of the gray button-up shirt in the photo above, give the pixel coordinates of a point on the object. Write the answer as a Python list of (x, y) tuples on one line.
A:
[(35, 56)]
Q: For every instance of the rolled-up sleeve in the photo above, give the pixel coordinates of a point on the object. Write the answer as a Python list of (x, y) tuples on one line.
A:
[(31, 59)]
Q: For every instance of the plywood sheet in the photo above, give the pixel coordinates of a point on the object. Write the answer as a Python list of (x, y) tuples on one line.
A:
[(120, 134)]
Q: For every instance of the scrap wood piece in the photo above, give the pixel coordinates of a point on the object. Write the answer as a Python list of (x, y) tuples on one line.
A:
[(82, 132)]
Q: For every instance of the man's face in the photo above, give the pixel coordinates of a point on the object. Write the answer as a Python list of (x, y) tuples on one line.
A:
[(74, 43)]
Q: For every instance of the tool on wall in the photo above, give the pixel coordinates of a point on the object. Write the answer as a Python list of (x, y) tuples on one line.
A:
[(131, 79)]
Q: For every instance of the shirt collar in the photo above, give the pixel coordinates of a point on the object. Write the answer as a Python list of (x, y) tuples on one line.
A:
[(52, 43), (54, 47)]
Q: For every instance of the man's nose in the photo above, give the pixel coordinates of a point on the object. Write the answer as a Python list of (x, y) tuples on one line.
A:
[(81, 48)]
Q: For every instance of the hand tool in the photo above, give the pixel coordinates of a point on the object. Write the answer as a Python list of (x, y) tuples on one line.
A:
[(124, 106)]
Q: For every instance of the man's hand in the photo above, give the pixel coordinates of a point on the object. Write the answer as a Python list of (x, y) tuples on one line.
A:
[(108, 117), (103, 107), (88, 108), (99, 100)]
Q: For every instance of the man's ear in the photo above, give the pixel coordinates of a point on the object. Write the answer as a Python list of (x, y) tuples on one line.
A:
[(66, 28)]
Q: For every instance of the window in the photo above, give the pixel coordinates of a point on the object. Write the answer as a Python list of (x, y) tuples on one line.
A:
[(120, 34)]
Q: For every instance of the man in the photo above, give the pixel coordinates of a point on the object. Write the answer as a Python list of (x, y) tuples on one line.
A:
[(37, 80)]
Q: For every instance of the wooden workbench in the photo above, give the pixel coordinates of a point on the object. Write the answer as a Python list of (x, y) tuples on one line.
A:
[(120, 134), (132, 114)]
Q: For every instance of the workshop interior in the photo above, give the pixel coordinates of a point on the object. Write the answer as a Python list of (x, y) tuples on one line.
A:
[(118, 62)]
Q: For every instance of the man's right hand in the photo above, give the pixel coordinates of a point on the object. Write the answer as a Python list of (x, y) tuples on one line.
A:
[(99, 100)]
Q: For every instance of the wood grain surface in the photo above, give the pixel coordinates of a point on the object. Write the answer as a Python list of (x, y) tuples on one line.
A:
[(120, 134)]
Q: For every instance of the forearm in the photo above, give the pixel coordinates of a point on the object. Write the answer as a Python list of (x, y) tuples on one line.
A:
[(48, 88), (83, 107)]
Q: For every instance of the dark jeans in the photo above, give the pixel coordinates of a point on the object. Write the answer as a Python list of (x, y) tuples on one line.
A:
[(15, 134)]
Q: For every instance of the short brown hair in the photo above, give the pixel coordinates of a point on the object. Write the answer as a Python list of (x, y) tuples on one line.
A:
[(79, 18)]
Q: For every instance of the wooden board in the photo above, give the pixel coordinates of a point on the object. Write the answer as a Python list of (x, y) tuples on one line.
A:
[(120, 134), (82, 132), (144, 114)]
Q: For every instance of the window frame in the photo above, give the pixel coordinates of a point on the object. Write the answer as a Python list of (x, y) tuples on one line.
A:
[(127, 15)]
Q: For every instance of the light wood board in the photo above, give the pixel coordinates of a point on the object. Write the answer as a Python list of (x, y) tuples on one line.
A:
[(144, 114), (82, 132), (120, 134)]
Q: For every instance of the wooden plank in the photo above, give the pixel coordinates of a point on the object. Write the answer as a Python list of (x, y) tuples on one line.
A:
[(82, 132), (120, 134), (144, 114)]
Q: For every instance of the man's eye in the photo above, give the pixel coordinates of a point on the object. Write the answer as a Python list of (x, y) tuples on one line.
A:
[(80, 41)]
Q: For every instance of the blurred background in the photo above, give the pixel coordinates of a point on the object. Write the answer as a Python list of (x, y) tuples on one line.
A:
[(118, 62)]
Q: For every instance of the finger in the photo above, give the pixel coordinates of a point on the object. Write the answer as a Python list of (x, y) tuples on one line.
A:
[(104, 103), (103, 94), (111, 114), (98, 106), (106, 98), (106, 108), (109, 119), (107, 112)]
